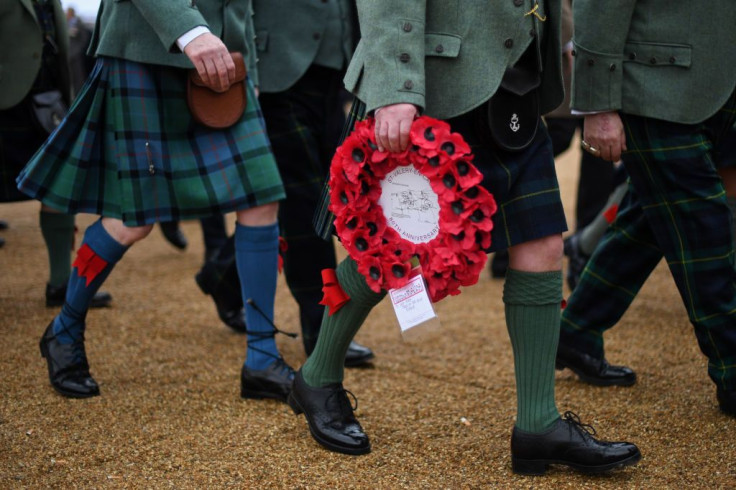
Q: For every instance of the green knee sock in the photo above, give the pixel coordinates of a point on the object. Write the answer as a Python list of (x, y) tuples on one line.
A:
[(325, 365), (532, 302), (58, 233)]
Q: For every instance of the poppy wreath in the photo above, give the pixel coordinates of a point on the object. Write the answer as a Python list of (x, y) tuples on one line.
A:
[(453, 258)]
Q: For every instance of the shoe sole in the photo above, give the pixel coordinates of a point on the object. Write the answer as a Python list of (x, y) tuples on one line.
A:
[(261, 395), (61, 391), (297, 409), (596, 381), (538, 467)]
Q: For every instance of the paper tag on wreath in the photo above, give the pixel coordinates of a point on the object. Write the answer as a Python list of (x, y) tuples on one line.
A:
[(413, 308)]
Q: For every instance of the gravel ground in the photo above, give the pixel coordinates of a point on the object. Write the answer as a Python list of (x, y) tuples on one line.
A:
[(439, 410)]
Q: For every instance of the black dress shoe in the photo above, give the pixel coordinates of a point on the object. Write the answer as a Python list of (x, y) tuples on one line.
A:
[(577, 260), (228, 301), (68, 366), (2, 242), (3, 224), (173, 234), (727, 401), (330, 416), (55, 296), (358, 355), (568, 443), (593, 370), (272, 382)]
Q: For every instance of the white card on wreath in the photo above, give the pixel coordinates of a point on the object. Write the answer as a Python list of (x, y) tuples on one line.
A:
[(413, 308)]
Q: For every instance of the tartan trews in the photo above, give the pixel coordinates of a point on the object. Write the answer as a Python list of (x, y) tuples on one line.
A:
[(672, 167), (129, 149)]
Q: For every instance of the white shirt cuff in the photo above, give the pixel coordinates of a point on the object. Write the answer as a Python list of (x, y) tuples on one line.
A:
[(585, 113), (189, 36)]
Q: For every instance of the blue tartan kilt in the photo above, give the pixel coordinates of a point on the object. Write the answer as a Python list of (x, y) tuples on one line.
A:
[(129, 149)]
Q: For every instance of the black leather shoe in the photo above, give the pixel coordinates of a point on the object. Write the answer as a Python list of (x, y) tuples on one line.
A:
[(228, 301), (358, 355), (272, 382), (55, 296), (330, 416), (727, 401), (2, 242), (568, 443), (173, 234), (68, 366), (577, 260), (593, 370)]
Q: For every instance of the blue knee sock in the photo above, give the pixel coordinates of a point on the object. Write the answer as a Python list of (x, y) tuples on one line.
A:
[(256, 256), (95, 258)]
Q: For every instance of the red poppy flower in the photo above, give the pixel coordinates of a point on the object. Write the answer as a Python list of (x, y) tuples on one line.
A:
[(370, 268)]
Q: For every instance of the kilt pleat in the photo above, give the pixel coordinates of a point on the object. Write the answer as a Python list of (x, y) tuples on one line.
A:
[(129, 149)]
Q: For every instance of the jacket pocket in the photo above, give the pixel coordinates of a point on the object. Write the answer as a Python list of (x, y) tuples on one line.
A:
[(658, 54), (442, 45)]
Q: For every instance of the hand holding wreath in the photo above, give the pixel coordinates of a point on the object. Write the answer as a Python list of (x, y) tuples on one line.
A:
[(456, 255)]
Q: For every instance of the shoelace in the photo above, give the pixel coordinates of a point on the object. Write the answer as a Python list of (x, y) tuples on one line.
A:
[(574, 419), (266, 335), (341, 400)]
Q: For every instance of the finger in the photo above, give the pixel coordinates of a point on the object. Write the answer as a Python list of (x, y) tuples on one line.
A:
[(404, 130), (212, 79), (230, 66), (393, 137), (382, 136), (222, 75)]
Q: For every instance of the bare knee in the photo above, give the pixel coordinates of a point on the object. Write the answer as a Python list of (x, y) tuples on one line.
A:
[(540, 255), (259, 216), (125, 235)]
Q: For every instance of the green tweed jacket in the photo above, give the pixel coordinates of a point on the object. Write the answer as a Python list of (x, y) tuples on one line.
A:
[(146, 30), (671, 60), (448, 56), (288, 36), (22, 44)]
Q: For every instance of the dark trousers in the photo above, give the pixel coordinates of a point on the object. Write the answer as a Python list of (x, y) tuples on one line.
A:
[(20, 137), (676, 208)]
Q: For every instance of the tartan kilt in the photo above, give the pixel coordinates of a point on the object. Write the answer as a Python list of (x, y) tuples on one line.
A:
[(129, 149)]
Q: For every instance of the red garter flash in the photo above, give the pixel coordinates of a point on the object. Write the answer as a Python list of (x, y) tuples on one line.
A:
[(333, 295), (88, 263), (610, 213), (283, 247)]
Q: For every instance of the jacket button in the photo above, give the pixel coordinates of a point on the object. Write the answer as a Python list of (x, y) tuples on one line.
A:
[(574, 53), (653, 60), (509, 43), (404, 57), (407, 27), (672, 59), (632, 56), (591, 62), (316, 36), (439, 48), (612, 67), (408, 84), (518, 3)]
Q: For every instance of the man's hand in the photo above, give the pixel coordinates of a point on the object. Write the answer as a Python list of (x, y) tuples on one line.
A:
[(393, 123), (212, 60), (605, 132)]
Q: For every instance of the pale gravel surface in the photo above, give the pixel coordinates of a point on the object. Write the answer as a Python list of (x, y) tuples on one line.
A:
[(170, 415)]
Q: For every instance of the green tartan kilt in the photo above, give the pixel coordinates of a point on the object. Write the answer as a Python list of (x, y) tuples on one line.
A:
[(129, 149)]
